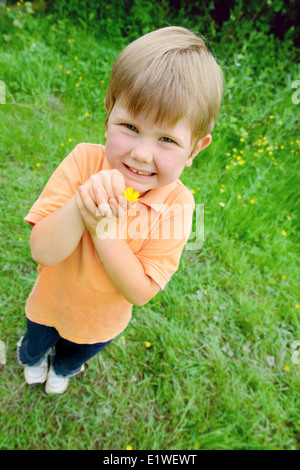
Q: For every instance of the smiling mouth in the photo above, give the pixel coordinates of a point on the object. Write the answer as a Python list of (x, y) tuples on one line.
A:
[(139, 172)]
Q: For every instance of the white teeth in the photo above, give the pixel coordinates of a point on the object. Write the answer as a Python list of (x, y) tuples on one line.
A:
[(141, 172)]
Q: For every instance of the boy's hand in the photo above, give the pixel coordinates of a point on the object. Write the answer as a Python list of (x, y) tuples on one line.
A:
[(101, 197)]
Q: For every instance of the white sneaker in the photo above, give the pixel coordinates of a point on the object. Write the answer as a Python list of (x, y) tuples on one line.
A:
[(35, 375), (56, 383)]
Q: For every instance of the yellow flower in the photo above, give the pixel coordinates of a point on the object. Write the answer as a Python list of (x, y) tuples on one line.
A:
[(241, 139), (234, 150), (288, 217), (239, 196), (283, 276), (130, 194), (286, 367), (147, 344), (62, 145), (70, 140), (128, 448), (227, 167), (252, 201), (193, 191), (297, 306), (75, 58), (60, 66), (68, 72), (241, 162), (87, 114), (20, 239), (77, 84), (283, 233)]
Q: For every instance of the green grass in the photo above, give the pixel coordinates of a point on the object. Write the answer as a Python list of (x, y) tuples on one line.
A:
[(219, 371)]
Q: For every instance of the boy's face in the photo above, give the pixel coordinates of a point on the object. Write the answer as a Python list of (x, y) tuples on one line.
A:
[(158, 152)]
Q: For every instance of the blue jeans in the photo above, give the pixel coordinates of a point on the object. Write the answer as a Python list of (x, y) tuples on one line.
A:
[(66, 357)]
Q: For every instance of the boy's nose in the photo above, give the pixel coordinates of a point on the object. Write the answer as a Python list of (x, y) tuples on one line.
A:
[(142, 153)]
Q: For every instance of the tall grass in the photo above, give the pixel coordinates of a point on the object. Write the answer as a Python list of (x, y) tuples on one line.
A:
[(218, 373)]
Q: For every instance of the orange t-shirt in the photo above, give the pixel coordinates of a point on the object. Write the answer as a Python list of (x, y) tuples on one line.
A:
[(76, 296)]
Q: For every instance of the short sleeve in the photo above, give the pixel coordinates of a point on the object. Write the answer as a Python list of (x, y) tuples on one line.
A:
[(160, 254), (62, 184)]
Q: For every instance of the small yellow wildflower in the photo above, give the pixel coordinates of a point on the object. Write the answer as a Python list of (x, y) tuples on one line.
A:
[(252, 201), (227, 167), (60, 66), (282, 146), (75, 58), (242, 139), (128, 448), (193, 191), (130, 194), (196, 330), (80, 78), (239, 196), (8, 9), (239, 158), (37, 165), (77, 84), (20, 239), (241, 162), (286, 368), (62, 144), (279, 122), (68, 72), (234, 150), (283, 276), (283, 233), (87, 114), (288, 217), (70, 140), (297, 306), (147, 344)]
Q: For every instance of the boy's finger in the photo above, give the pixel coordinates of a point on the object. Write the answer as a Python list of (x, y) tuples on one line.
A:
[(117, 183), (103, 209), (87, 200), (117, 209)]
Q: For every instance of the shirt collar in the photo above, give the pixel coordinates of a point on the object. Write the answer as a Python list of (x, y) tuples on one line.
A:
[(155, 197)]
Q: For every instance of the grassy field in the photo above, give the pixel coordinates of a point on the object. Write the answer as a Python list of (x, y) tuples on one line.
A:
[(220, 371)]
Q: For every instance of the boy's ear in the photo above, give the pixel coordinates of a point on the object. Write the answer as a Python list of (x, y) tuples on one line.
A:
[(202, 144)]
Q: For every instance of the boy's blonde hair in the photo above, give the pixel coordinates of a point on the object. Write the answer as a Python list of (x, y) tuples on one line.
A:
[(169, 72)]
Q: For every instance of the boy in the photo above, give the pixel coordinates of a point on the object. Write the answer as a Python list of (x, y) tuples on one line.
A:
[(162, 103)]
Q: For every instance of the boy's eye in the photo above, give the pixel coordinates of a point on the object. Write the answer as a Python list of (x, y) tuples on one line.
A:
[(167, 139), (130, 127)]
